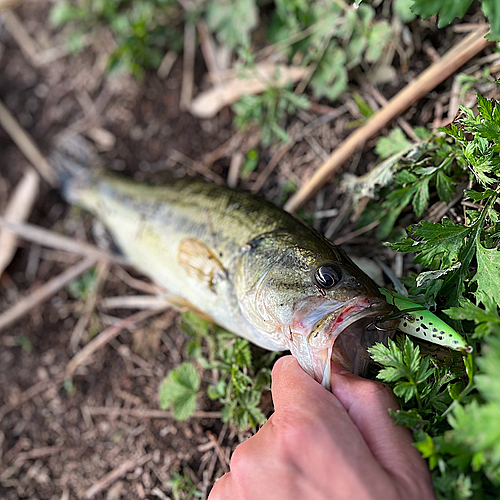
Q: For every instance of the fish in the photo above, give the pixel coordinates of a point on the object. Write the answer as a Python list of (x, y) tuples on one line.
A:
[(237, 259)]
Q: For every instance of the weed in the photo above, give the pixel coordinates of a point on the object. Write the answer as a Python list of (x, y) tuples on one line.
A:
[(182, 485), (25, 344), (268, 111), (82, 287), (451, 406), (241, 378), (143, 30), (179, 390)]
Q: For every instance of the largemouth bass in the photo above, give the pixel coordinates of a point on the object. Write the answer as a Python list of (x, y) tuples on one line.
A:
[(251, 267)]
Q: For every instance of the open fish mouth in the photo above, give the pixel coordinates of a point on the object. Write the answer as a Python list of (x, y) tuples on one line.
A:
[(345, 335), (332, 325)]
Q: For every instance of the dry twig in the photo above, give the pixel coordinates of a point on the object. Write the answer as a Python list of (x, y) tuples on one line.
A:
[(18, 209), (26, 145), (144, 413), (31, 392), (224, 149), (105, 337), (20, 35), (207, 475), (254, 81), (149, 302), (167, 64), (207, 48), (435, 74), (219, 451), (382, 101), (188, 66), (118, 472), (41, 294), (142, 286), (9, 4), (354, 234), (47, 238), (235, 169)]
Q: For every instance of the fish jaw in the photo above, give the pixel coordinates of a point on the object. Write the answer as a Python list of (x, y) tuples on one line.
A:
[(315, 347)]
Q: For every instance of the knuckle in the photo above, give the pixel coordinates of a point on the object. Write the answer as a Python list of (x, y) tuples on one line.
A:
[(239, 458), (376, 392)]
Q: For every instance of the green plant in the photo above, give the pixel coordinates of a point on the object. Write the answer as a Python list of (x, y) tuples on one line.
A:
[(267, 111), (448, 10), (329, 37), (182, 485), (179, 389), (25, 344), (440, 246), (82, 287), (437, 166), (143, 31), (232, 21), (452, 405), (241, 378)]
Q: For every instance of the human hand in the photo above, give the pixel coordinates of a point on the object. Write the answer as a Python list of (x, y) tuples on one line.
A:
[(323, 446)]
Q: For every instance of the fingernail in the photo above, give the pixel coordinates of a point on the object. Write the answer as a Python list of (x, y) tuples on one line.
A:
[(338, 369)]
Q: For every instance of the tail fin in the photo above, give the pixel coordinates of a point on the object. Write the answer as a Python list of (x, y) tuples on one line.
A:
[(74, 161)]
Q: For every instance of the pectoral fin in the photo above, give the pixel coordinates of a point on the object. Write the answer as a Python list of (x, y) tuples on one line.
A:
[(200, 262)]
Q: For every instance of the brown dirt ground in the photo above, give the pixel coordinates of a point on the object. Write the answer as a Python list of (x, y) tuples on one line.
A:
[(56, 443)]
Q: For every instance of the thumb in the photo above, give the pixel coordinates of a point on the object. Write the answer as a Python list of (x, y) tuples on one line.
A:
[(367, 403)]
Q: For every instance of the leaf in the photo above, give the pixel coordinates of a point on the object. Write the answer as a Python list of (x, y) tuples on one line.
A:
[(409, 418), (82, 287), (179, 390), (436, 240), (434, 275), (396, 202), (187, 377), (363, 106), (330, 78), (479, 196), (485, 107), (445, 186), (403, 365), (378, 37), (394, 143), (476, 426), (446, 9), (403, 10), (488, 273), (232, 21), (184, 406), (62, 12), (421, 198)]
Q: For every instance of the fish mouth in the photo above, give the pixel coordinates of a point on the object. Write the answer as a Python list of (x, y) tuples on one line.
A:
[(343, 336), (333, 324)]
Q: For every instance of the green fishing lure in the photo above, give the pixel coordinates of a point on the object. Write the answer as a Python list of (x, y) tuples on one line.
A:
[(418, 321)]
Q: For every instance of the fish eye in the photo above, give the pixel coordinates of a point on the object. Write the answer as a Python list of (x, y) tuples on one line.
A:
[(326, 276)]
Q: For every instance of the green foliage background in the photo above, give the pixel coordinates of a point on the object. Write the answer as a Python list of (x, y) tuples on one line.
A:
[(452, 406)]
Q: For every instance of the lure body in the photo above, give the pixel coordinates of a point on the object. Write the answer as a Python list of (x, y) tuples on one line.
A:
[(420, 322)]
